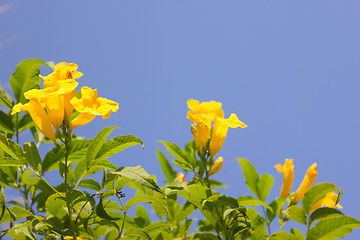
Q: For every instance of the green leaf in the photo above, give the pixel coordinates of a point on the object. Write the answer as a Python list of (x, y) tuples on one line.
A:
[(6, 124), (297, 233), (297, 214), (257, 224), (96, 144), (250, 174), (324, 213), (90, 183), (2, 202), (25, 122), (116, 145), (204, 236), (264, 186), (184, 211), (32, 155), (138, 175), (55, 155), (5, 99), (135, 232), (316, 193), (143, 198), (100, 211), (217, 184), (329, 229), (180, 155), (142, 218), (251, 201), (11, 148), (282, 236), (25, 77), (167, 169), (56, 205), (9, 161), (157, 226), (222, 200), (276, 206)]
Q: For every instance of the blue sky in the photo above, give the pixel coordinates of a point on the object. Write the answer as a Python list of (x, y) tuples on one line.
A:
[(289, 70)]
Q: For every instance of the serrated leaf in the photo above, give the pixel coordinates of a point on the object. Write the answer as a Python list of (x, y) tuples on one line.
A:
[(282, 236), (25, 77), (297, 233), (324, 213), (217, 184), (90, 183), (143, 198), (2, 202), (251, 201), (32, 155), (222, 200), (167, 169), (157, 226), (138, 175), (316, 193), (329, 229), (257, 224), (117, 144), (56, 205), (180, 155), (25, 122), (11, 148), (276, 206), (297, 214), (264, 186), (142, 218), (135, 232), (204, 236), (96, 144), (6, 124), (5, 99), (9, 161), (250, 174), (100, 211), (55, 155)]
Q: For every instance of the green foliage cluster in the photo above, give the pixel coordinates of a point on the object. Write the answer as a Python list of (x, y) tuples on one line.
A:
[(82, 208)]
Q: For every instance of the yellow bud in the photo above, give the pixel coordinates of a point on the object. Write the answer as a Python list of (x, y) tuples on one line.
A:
[(288, 171), (217, 166), (308, 180)]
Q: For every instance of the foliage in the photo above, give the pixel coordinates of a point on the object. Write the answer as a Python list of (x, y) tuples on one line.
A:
[(83, 208)]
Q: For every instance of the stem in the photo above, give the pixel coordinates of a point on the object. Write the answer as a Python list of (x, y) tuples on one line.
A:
[(124, 212), (42, 178)]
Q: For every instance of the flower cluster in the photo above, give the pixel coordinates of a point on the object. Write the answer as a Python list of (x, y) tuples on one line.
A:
[(204, 115), (288, 170), (52, 106)]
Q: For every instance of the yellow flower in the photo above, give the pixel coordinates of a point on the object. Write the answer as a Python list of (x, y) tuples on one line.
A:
[(77, 238), (308, 180), (208, 110), (91, 105), (39, 116), (217, 166), (329, 201), (181, 177), (288, 171), (221, 127), (62, 82), (201, 133)]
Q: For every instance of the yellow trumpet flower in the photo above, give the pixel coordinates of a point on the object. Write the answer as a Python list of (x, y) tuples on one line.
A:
[(201, 132), (308, 180), (221, 127), (217, 166), (91, 105), (288, 171), (329, 201), (208, 110), (39, 116)]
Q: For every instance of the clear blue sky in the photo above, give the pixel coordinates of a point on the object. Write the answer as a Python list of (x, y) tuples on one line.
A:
[(289, 70)]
